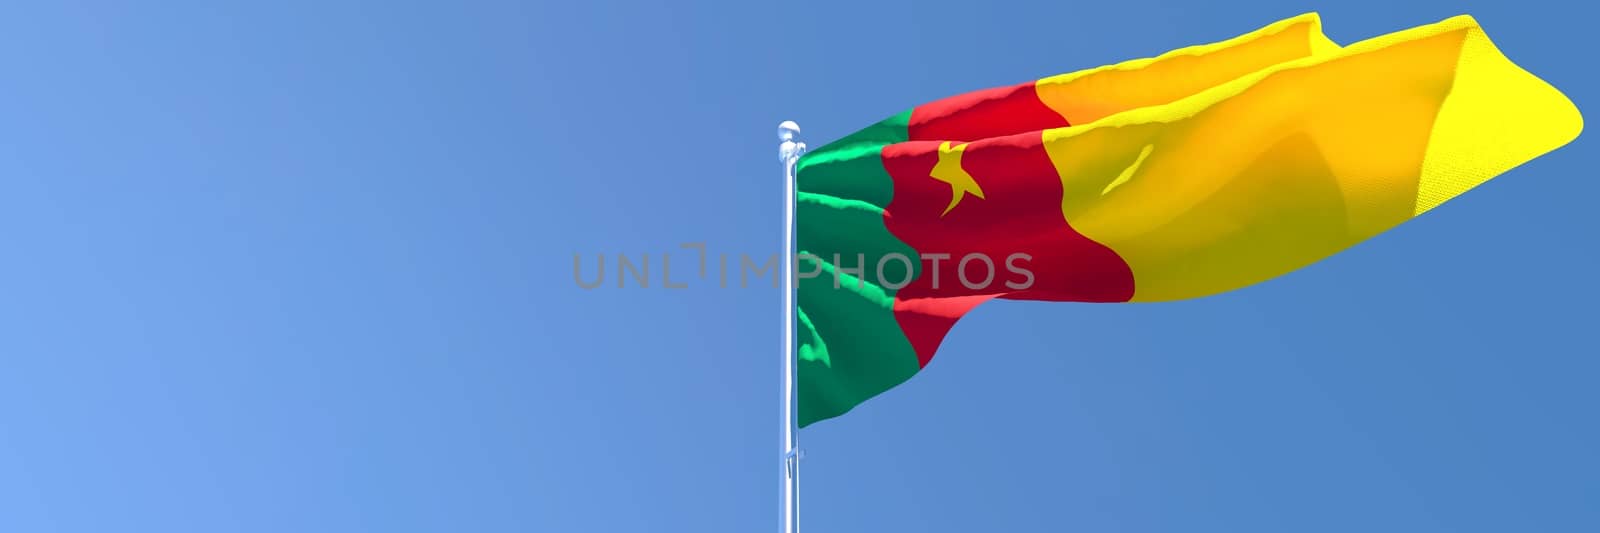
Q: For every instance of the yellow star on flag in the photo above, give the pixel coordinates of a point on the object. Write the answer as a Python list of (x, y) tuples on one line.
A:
[(948, 170)]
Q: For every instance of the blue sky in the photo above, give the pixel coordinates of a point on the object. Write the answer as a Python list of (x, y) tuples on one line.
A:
[(306, 266)]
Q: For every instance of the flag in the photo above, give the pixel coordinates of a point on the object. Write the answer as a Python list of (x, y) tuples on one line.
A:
[(1199, 171)]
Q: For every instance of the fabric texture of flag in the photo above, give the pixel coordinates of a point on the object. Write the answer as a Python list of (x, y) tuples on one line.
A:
[(1200, 171)]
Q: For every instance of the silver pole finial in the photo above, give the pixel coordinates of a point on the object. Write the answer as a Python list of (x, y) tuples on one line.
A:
[(789, 149)]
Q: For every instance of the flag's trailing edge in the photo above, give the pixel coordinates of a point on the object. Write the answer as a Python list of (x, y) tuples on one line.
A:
[(1200, 171)]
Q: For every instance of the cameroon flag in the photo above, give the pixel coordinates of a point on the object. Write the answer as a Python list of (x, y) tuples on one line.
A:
[(1200, 171)]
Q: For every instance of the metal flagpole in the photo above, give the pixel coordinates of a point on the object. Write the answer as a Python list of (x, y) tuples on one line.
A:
[(789, 151)]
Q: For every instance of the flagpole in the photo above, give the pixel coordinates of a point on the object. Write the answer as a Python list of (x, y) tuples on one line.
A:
[(789, 151)]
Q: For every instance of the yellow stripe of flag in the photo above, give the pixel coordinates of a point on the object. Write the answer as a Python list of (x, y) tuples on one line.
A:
[(1286, 165)]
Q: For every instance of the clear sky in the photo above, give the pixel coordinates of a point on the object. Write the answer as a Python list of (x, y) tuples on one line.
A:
[(307, 266)]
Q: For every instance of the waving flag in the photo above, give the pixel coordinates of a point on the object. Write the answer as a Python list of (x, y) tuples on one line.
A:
[(1200, 171)]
